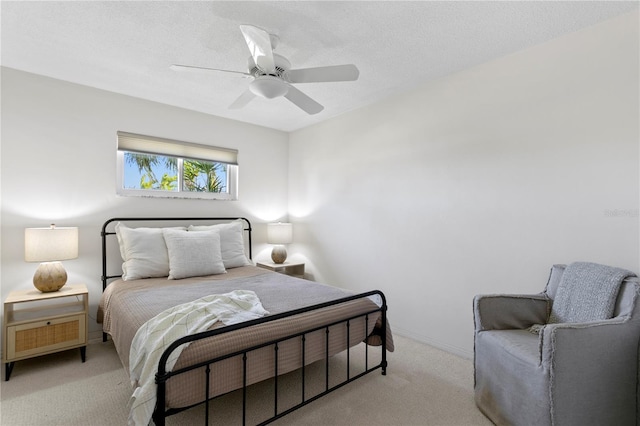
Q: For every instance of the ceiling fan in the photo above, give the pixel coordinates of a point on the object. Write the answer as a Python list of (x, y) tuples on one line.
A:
[(272, 75)]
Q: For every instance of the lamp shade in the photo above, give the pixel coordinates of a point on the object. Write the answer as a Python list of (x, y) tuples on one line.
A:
[(50, 244), (279, 233)]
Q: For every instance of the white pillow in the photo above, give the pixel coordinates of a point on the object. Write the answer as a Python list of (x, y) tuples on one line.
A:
[(193, 254), (143, 251), (231, 242)]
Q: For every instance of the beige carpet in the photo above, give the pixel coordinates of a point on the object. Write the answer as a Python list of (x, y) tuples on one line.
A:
[(423, 386)]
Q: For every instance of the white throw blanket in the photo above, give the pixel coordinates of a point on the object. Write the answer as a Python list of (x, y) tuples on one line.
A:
[(154, 336)]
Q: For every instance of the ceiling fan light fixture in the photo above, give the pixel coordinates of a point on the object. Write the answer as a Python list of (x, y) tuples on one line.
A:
[(269, 87)]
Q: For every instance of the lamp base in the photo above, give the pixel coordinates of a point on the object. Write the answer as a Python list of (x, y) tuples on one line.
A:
[(279, 254), (50, 276)]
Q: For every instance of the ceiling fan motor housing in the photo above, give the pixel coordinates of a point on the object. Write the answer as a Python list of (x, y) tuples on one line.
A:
[(270, 85), (282, 65)]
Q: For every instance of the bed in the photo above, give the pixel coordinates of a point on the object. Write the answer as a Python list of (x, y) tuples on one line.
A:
[(297, 323)]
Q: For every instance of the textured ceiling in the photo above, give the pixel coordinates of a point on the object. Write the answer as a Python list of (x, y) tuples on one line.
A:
[(127, 47)]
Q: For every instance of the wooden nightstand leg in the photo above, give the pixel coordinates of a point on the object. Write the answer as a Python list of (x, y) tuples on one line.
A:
[(83, 353), (8, 368)]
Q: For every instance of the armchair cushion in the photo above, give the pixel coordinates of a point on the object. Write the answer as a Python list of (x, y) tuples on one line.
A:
[(518, 345)]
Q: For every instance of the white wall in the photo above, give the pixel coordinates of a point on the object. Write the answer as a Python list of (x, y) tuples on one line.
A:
[(477, 183), (59, 165), (471, 184)]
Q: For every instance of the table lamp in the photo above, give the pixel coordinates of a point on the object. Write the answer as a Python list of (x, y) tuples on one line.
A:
[(50, 246), (279, 234)]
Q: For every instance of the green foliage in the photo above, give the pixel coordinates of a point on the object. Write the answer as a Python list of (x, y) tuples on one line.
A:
[(168, 183), (146, 181), (198, 176), (145, 164)]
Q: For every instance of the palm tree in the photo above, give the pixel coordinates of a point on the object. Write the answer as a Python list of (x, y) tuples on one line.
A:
[(193, 171), (145, 164)]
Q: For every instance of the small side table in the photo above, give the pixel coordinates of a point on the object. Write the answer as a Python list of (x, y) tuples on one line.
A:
[(295, 269), (44, 323)]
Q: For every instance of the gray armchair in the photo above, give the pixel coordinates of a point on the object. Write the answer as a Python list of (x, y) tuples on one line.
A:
[(569, 374)]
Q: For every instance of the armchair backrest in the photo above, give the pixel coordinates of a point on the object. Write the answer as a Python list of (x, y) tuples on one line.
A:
[(625, 303)]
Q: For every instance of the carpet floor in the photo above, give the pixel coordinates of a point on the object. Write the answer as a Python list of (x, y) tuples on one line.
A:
[(423, 386)]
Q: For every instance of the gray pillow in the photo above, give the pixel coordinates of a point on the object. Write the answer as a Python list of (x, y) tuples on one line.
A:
[(231, 242), (193, 254)]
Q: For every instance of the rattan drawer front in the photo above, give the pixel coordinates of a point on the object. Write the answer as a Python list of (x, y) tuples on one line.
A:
[(45, 336)]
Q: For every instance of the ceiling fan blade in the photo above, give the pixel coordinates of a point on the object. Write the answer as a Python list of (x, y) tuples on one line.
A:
[(324, 74), (303, 101), (244, 99), (178, 67), (259, 43)]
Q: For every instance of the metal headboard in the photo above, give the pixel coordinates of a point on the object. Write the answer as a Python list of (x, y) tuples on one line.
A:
[(104, 234)]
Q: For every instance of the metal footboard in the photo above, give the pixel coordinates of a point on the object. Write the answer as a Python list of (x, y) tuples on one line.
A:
[(162, 376)]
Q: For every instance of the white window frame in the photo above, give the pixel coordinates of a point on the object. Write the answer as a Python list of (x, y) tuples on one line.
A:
[(131, 142)]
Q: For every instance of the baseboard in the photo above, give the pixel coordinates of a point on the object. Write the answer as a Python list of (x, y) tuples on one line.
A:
[(433, 342)]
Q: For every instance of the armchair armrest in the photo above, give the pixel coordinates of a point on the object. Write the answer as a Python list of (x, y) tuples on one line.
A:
[(509, 311), (592, 337), (586, 358)]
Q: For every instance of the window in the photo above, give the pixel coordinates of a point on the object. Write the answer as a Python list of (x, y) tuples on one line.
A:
[(157, 167)]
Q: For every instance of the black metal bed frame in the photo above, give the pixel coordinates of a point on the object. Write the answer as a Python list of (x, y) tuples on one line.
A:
[(162, 376)]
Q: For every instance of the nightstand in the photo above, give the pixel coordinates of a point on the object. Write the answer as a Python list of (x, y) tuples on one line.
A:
[(295, 269), (38, 323)]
